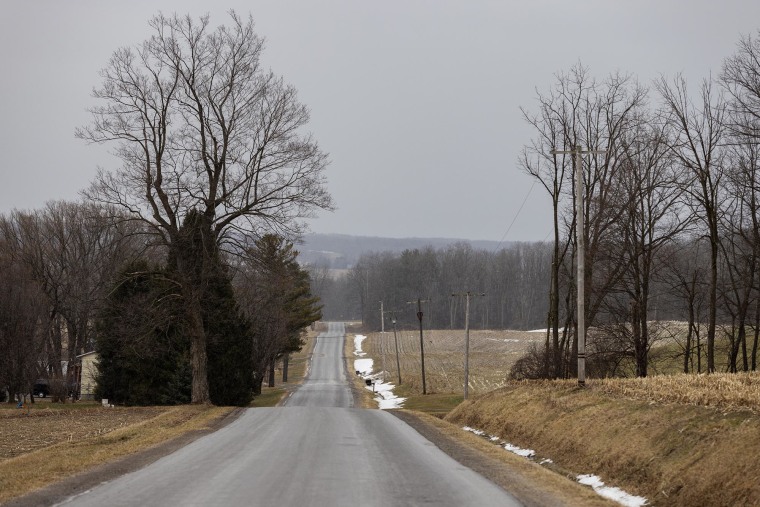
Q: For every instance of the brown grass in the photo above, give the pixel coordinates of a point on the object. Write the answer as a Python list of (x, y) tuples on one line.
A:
[(638, 436), (725, 391), (83, 450)]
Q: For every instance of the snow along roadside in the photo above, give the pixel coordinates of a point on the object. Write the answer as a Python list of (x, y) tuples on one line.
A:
[(612, 493), (385, 397)]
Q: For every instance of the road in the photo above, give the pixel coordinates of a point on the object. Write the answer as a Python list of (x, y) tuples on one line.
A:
[(316, 450)]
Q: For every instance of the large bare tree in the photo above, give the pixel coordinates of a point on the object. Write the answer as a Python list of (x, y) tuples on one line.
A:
[(199, 124)]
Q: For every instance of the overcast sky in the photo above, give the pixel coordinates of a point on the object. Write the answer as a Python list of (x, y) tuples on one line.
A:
[(417, 102)]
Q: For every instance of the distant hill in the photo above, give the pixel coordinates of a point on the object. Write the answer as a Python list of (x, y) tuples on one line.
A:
[(341, 251)]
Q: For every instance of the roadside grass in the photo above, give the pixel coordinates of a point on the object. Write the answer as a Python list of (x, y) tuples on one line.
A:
[(83, 451), (269, 397), (437, 405), (677, 440)]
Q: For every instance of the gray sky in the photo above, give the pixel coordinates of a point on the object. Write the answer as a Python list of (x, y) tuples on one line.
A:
[(417, 102)]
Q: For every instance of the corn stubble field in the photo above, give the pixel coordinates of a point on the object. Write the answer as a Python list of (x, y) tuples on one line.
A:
[(492, 354)]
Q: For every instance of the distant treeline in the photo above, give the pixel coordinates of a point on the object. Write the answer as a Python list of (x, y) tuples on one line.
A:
[(514, 280)]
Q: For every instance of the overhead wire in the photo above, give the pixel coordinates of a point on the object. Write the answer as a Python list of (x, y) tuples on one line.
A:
[(516, 216)]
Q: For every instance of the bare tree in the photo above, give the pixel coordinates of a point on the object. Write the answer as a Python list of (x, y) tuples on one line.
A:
[(580, 111), (699, 132), (199, 124)]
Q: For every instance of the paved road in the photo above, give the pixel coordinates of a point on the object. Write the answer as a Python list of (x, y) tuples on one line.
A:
[(315, 451)]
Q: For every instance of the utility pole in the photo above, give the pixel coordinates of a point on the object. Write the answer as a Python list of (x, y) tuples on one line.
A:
[(382, 336), (580, 237), (468, 295), (382, 318), (395, 340), (422, 344)]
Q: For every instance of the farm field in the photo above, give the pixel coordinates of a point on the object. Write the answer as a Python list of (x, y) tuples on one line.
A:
[(492, 354), (26, 431)]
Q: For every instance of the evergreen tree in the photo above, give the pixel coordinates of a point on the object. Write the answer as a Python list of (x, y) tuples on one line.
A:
[(228, 335), (143, 357), (278, 301)]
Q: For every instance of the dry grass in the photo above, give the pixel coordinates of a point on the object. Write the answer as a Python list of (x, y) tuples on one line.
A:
[(648, 438), (94, 444), (725, 391), (492, 354)]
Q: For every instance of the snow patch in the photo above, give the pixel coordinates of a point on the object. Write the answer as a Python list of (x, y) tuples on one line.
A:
[(525, 453), (384, 395), (609, 492), (614, 494)]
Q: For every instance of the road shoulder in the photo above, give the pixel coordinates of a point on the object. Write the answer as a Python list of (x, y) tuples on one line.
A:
[(529, 482)]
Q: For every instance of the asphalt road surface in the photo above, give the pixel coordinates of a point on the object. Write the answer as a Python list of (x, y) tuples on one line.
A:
[(314, 451)]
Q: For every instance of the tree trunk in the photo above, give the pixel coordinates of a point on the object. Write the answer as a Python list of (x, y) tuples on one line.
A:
[(271, 373), (714, 238), (285, 361), (198, 350)]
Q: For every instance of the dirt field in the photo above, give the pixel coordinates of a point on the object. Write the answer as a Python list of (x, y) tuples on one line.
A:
[(25, 431), (492, 354)]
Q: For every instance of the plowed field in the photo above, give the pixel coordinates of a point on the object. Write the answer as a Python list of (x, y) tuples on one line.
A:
[(25, 431)]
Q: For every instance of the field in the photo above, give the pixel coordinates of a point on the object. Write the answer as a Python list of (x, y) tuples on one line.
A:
[(45, 445), (26, 431), (492, 354)]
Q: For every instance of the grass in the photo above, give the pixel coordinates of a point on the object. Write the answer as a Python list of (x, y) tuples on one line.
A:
[(434, 404), (269, 397), (677, 440), (38, 468)]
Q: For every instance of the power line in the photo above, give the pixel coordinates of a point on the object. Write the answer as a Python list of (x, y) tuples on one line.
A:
[(516, 215)]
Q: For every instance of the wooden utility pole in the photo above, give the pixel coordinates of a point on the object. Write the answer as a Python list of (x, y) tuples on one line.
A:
[(422, 343), (468, 295), (395, 340), (382, 318), (580, 237)]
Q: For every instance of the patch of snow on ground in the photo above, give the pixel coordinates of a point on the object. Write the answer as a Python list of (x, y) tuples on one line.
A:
[(614, 494), (385, 397), (525, 453), (538, 331), (358, 339)]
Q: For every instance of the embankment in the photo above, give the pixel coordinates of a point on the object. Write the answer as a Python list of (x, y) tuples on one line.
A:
[(675, 441)]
